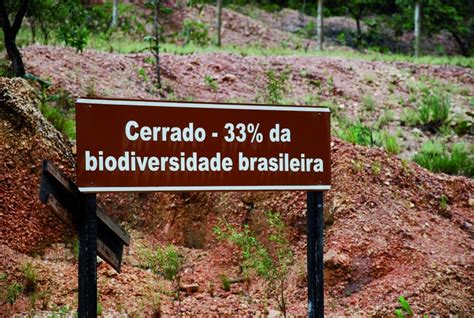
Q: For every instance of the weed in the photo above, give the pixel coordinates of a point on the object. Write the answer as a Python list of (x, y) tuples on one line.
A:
[(357, 133), (369, 78), (384, 120), (225, 282), (405, 309), (368, 103), (99, 308), (13, 290), (443, 202), (3, 277), (91, 91), (142, 73), (390, 143), (277, 85), (409, 117), (433, 111), (357, 165), (211, 82), (376, 168), (31, 277), (61, 121), (34, 297), (435, 157)]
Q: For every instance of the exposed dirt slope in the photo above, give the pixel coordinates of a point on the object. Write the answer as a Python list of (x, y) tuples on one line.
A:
[(388, 233)]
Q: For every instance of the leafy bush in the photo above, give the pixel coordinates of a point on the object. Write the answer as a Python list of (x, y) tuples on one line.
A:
[(165, 261), (196, 32), (277, 85), (270, 261), (73, 30), (435, 157)]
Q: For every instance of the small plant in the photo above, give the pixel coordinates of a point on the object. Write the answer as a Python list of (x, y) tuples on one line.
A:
[(357, 133), (443, 202), (433, 110), (31, 277), (405, 309), (390, 143), (225, 282), (13, 290), (435, 156), (168, 262), (99, 308), (409, 117), (211, 82), (142, 73), (368, 103), (384, 120), (277, 85), (271, 261), (3, 277), (376, 168)]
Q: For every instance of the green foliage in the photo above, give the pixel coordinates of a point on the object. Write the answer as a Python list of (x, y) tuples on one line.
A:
[(165, 261), (405, 309), (357, 133), (211, 82), (385, 119), (12, 292), (435, 156), (433, 110), (73, 30), (196, 32), (31, 277), (271, 261), (225, 282), (60, 120), (3, 277), (368, 103), (390, 143), (277, 85)]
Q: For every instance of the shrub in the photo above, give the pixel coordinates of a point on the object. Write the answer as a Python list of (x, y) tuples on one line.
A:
[(368, 103), (277, 85), (390, 143), (435, 157), (13, 290), (270, 261), (195, 31)]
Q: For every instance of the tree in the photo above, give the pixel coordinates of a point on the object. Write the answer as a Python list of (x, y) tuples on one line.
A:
[(219, 21), (319, 26), (417, 28), (114, 13), (454, 16), (10, 31)]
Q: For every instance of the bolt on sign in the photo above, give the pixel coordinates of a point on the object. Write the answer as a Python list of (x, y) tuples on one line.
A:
[(131, 145)]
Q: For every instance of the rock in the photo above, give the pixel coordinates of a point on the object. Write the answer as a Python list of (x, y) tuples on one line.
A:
[(229, 78), (471, 201), (335, 260), (272, 313)]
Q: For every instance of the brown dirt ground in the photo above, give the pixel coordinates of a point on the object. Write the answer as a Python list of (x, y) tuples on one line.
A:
[(387, 233)]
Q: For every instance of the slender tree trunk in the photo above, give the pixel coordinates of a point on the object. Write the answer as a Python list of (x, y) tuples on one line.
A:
[(219, 21), (114, 13), (417, 28), (156, 49), (10, 32), (319, 26), (32, 21)]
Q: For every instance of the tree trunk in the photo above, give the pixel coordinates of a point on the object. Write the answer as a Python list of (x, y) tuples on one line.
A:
[(319, 26), (417, 29), (156, 49), (219, 21), (9, 34), (359, 31), (32, 21), (15, 56), (302, 13), (114, 13)]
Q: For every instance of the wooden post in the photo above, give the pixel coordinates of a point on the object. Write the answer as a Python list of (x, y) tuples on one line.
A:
[(319, 26), (417, 28), (88, 257)]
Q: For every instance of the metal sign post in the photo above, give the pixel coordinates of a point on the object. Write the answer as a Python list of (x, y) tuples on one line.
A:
[(88, 257), (315, 228)]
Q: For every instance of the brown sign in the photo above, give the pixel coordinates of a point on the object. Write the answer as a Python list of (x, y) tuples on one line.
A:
[(127, 145)]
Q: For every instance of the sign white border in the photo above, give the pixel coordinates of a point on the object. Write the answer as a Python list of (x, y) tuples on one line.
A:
[(113, 102)]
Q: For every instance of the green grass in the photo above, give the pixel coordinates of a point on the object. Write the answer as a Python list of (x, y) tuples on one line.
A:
[(436, 157), (125, 43)]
